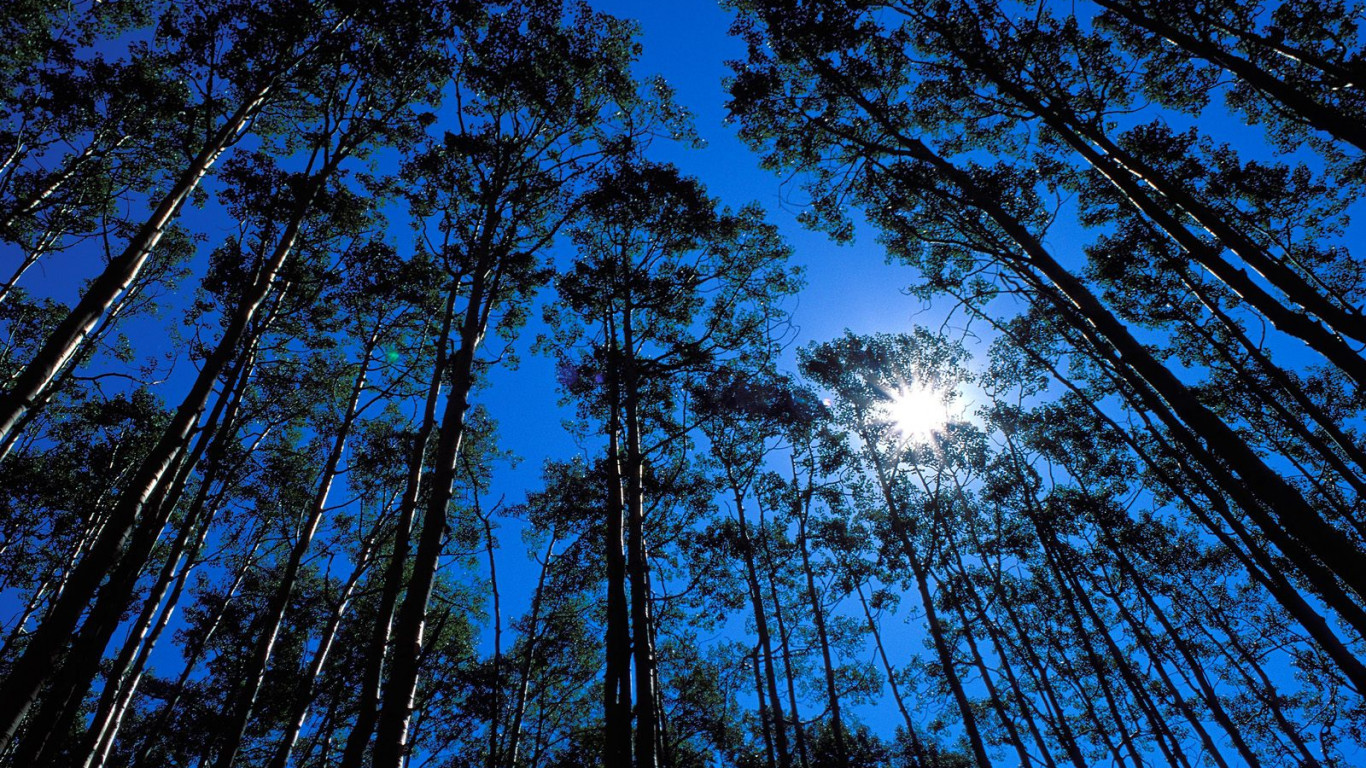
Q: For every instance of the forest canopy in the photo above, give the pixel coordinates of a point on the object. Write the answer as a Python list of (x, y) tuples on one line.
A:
[(268, 268)]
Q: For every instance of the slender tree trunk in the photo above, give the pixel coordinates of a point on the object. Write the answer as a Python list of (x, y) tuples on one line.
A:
[(90, 344), (372, 678), (238, 711), (1283, 514), (106, 731), (800, 502), (322, 740), (194, 652), (57, 179), (771, 575), (784, 754), (1038, 673), (1281, 380), (637, 558), (1128, 174), (73, 679), (1325, 118), (946, 660), (31, 257), (496, 681), (20, 627), (1287, 517), (128, 523), (917, 747), (765, 718), (972, 596), (213, 440), (1298, 550), (121, 684), (617, 678), (1070, 601), (899, 521), (399, 697), (1178, 640), (997, 634), (529, 651), (997, 703), (1117, 725), (1071, 583), (1157, 662), (1248, 550), (1282, 317), (66, 339), (1240, 658), (303, 698)]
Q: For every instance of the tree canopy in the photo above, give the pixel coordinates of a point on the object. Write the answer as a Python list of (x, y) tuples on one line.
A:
[(269, 269)]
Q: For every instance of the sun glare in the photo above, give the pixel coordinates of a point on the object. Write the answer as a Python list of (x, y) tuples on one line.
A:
[(917, 411)]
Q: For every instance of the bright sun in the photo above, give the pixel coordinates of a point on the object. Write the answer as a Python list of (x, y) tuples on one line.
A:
[(917, 411)]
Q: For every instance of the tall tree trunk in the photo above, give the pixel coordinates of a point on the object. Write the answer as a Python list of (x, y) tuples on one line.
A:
[(1281, 380), (1248, 550), (529, 651), (784, 645), (1255, 678), (638, 568), (127, 521), (105, 729), (214, 439), (1070, 601), (1282, 317), (917, 747), (801, 501), (1157, 662), (1117, 723), (32, 254), (1035, 665), (194, 652), (899, 520), (1001, 643), (20, 628), (784, 753), (302, 699), (399, 697), (1283, 514), (495, 693), (617, 635), (1287, 517), (1129, 173), (1323, 117), (765, 718), (1071, 582), (946, 660), (993, 694), (57, 179), (66, 339), (122, 681), (1178, 640), (372, 677), (237, 712), (66, 691)]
